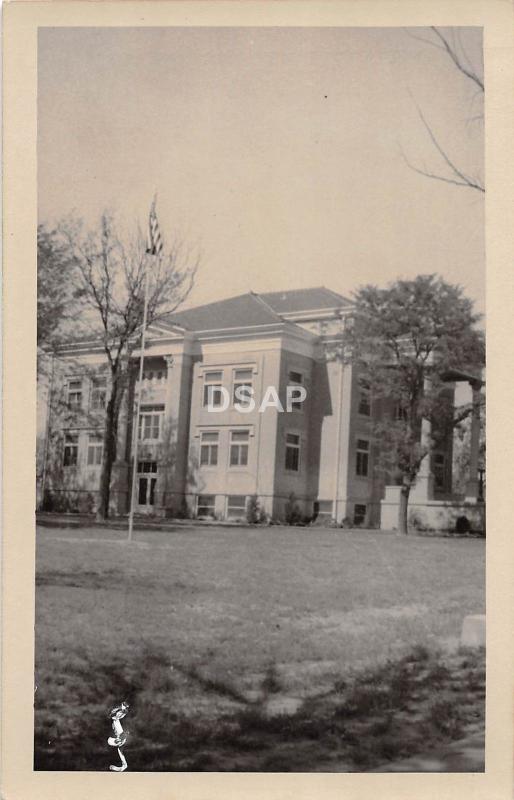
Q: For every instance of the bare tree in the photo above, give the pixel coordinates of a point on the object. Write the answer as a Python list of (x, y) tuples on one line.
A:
[(452, 172), (110, 276)]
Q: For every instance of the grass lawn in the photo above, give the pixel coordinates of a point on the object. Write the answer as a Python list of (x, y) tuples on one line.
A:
[(239, 648)]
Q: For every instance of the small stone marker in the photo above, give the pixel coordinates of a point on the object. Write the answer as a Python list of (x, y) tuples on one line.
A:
[(473, 631)]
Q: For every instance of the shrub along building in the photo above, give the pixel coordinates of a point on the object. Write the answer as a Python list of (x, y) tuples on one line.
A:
[(318, 458)]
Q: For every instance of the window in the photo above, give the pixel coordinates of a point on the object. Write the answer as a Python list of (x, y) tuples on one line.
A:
[(292, 452), (359, 515), (153, 375), (236, 506), (98, 393), (95, 449), (400, 413), (242, 377), (75, 393), (362, 462), (150, 421), (209, 449), (239, 448), (439, 470), (295, 379), (364, 399), (147, 466), (206, 505), (71, 449), (212, 382), (147, 482)]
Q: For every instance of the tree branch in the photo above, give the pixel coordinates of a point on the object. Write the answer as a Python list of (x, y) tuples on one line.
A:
[(460, 180), (458, 63)]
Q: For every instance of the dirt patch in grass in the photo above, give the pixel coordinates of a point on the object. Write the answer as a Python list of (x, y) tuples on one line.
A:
[(368, 717), (82, 580)]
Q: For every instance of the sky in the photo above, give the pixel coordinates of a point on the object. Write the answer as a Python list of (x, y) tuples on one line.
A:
[(278, 151)]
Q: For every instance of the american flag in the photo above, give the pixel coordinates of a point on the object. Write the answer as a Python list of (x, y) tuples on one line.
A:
[(155, 246)]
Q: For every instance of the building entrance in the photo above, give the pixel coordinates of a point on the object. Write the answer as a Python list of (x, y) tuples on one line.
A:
[(146, 483)]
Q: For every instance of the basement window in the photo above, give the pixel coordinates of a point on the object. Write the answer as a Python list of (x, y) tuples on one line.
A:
[(359, 515), (206, 505)]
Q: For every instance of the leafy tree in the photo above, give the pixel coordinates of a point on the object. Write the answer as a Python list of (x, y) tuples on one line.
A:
[(110, 279), (406, 340), (55, 285)]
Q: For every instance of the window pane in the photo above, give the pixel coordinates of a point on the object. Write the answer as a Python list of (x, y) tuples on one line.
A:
[(214, 454), (292, 438), (212, 395), (243, 375), (206, 499), (362, 464), (204, 455), (153, 481), (210, 436), (142, 491), (243, 393), (292, 458), (364, 405), (295, 377), (240, 436), (98, 398), (236, 506), (362, 444), (70, 457), (206, 504), (359, 514), (213, 376), (234, 454), (237, 500)]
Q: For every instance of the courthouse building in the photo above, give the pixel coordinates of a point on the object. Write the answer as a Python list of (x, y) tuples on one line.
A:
[(319, 457)]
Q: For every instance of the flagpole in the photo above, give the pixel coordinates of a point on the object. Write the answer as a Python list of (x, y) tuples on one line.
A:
[(138, 412)]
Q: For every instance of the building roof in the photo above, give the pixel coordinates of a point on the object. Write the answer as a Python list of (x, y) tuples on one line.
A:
[(248, 310), (304, 300), (251, 309), (245, 310)]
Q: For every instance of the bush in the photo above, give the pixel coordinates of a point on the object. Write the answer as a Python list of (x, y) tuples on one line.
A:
[(293, 515), (253, 510), (417, 520)]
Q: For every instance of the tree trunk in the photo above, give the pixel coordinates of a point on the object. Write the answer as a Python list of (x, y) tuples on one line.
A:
[(403, 527), (110, 446)]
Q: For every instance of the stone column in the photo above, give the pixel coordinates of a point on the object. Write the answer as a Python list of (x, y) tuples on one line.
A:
[(472, 483), (424, 487), (164, 476)]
